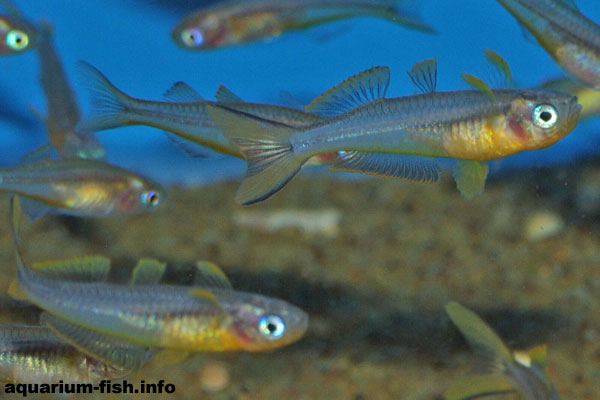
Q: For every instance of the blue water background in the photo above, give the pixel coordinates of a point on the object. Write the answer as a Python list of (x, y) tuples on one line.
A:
[(130, 41)]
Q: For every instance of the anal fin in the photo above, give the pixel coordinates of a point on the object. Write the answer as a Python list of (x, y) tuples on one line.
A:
[(470, 177), (409, 168), (113, 351)]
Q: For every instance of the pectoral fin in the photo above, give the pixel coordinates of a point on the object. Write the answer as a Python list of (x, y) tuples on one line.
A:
[(170, 357), (470, 177), (113, 351)]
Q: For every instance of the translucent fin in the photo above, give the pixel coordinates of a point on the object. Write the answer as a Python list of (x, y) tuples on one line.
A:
[(424, 75), (191, 149), (108, 349), (34, 209), (169, 357), (109, 106), (267, 149), (289, 100), (505, 78), (470, 177), (147, 272), (206, 296), (354, 92), (410, 168), (16, 292), (225, 95), (402, 17), (81, 269), (478, 84), (183, 93), (210, 275), (569, 3), (478, 334), (41, 153), (469, 387)]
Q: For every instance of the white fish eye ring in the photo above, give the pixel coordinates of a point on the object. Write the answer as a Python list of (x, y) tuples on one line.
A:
[(544, 116)]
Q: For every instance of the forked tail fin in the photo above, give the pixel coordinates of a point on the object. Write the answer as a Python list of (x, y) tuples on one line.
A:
[(109, 106), (267, 149)]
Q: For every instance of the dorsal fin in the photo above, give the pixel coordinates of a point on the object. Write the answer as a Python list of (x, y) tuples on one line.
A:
[(354, 92), (225, 95), (81, 269), (182, 92), (424, 75), (210, 275), (503, 72), (478, 84), (538, 356), (148, 271)]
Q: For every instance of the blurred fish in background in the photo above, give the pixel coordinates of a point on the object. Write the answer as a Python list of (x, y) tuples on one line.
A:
[(35, 354), (503, 372), (571, 38), (235, 22)]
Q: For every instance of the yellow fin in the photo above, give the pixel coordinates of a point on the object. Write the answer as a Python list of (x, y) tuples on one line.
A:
[(469, 387), (169, 357), (15, 291), (360, 89), (148, 271), (501, 67), (538, 356), (479, 335), (205, 295), (210, 275), (83, 269), (470, 177), (478, 84)]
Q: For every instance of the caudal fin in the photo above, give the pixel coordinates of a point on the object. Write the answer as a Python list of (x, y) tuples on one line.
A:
[(267, 149), (109, 106)]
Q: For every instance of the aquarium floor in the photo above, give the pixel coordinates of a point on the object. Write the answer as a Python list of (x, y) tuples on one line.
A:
[(375, 289)]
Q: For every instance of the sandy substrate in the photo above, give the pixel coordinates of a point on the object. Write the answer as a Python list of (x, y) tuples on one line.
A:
[(375, 284)]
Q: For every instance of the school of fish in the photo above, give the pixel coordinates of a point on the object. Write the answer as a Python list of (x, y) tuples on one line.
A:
[(93, 329)]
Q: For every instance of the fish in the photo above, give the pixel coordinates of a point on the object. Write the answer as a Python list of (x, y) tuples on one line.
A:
[(400, 137), (507, 372), (572, 39), (208, 316), (35, 354), (236, 22), (184, 114), (588, 98), (16, 34), (63, 111), (81, 188)]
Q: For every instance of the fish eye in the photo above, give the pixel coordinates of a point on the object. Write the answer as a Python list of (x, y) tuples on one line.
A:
[(192, 37), (17, 40), (150, 198), (271, 326), (544, 116)]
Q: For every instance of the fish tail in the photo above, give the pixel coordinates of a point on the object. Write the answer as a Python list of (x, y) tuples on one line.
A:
[(396, 12), (109, 106), (267, 148)]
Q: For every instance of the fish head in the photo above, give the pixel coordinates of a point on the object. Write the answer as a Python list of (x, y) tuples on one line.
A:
[(538, 119), (140, 196), (201, 31), (262, 323), (16, 36)]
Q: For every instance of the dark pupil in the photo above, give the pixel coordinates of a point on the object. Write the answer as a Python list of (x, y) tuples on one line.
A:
[(546, 116), (152, 198), (18, 40), (271, 327)]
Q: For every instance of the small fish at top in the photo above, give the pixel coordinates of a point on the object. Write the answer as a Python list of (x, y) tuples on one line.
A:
[(30, 354), (572, 39), (236, 22), (82, 188), (82, 308), (183, 113), (505, 372), (401, 137), (588, 98), (63, 111), (16, 35)]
